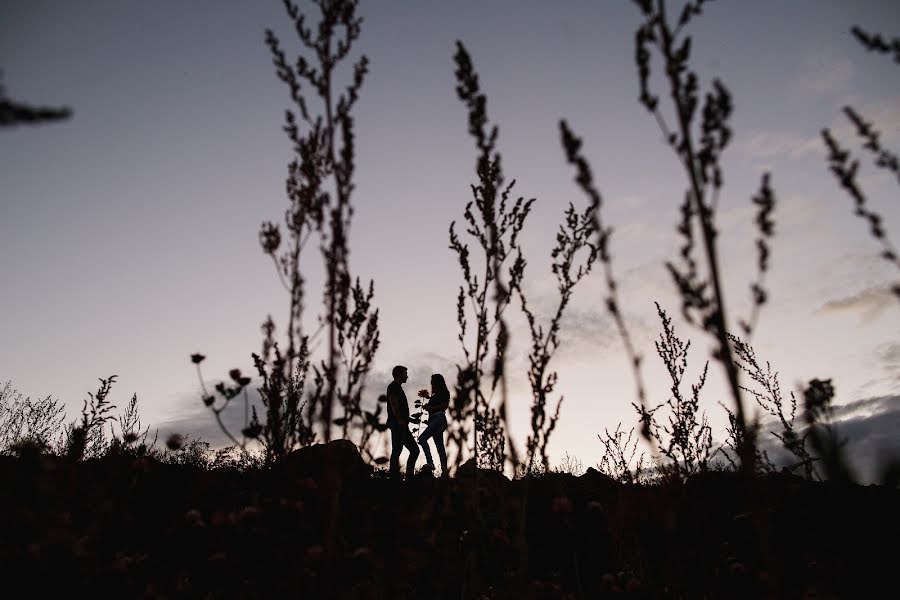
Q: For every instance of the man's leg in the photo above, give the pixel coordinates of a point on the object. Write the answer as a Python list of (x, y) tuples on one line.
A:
[(396, 446)]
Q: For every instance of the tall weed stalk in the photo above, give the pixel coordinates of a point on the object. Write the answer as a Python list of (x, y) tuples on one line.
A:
[(302, 394)]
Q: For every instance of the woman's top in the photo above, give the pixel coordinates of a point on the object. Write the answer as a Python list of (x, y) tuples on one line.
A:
[(438, 403)]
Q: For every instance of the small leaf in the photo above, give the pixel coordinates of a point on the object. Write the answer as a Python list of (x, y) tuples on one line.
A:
[(252, 431)]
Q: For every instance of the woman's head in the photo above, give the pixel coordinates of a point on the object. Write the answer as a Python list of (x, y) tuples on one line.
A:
[(438, 383)]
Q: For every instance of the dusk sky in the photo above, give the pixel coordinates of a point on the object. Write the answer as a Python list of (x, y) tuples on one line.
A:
[(128, 234)]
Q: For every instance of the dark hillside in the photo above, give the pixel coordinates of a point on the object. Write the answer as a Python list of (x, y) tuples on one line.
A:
[(320, 524)]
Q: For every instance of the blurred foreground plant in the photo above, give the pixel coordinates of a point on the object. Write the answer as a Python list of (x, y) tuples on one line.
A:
[(495, 224), (319, 187), (699, 143), (845, 168)]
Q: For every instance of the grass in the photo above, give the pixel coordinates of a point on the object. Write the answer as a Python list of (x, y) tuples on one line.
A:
[(138, 527)]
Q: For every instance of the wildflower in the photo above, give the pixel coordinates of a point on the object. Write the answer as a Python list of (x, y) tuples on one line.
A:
[(424, 394), (269, 237), (174, 442), (197, 358), (252, 431)]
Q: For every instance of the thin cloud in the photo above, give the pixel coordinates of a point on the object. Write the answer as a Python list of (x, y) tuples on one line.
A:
[(888, 357), (823, 75), (763, 145), (869, 303), (868, 429), (200, 423)]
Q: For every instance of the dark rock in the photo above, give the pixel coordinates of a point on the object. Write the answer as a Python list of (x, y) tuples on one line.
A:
[(338, 457)]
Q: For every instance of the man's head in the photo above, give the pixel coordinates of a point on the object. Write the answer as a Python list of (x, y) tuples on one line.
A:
[(399, 374)]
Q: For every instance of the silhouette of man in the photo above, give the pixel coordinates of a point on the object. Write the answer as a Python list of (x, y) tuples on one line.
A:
[(398, 423)]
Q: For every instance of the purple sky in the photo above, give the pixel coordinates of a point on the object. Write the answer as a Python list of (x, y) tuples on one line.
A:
[(128, 234)]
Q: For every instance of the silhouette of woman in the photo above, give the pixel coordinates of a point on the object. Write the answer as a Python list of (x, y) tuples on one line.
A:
[(437, 404)]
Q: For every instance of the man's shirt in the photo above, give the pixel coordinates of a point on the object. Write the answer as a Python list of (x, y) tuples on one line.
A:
[(395, 390)]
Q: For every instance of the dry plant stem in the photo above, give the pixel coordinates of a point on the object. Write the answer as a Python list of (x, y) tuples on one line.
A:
[(765, 201), (875, 43), (209, 400), (495, 225), (771, 400), (618, 454), (884, 158), (13, 113), (716, 135), (845, 170), (585, 180), (25, 421), (718, 317), (573, 243), (684, 440), (324, 157)]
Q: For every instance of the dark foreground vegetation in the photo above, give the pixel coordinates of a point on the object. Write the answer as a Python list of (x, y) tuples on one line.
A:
[(110, 515), (321, 523)]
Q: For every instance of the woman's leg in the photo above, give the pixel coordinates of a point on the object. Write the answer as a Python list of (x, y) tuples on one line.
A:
[(440, 428), (430, 430), (442, 452)]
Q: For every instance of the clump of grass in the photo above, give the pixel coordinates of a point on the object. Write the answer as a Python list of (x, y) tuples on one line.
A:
[(86, 438), (27, 421)]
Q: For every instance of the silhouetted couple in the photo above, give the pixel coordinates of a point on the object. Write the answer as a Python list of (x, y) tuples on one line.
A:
[(398, 422)]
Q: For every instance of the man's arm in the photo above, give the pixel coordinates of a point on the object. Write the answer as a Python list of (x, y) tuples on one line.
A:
[(395, 406)]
